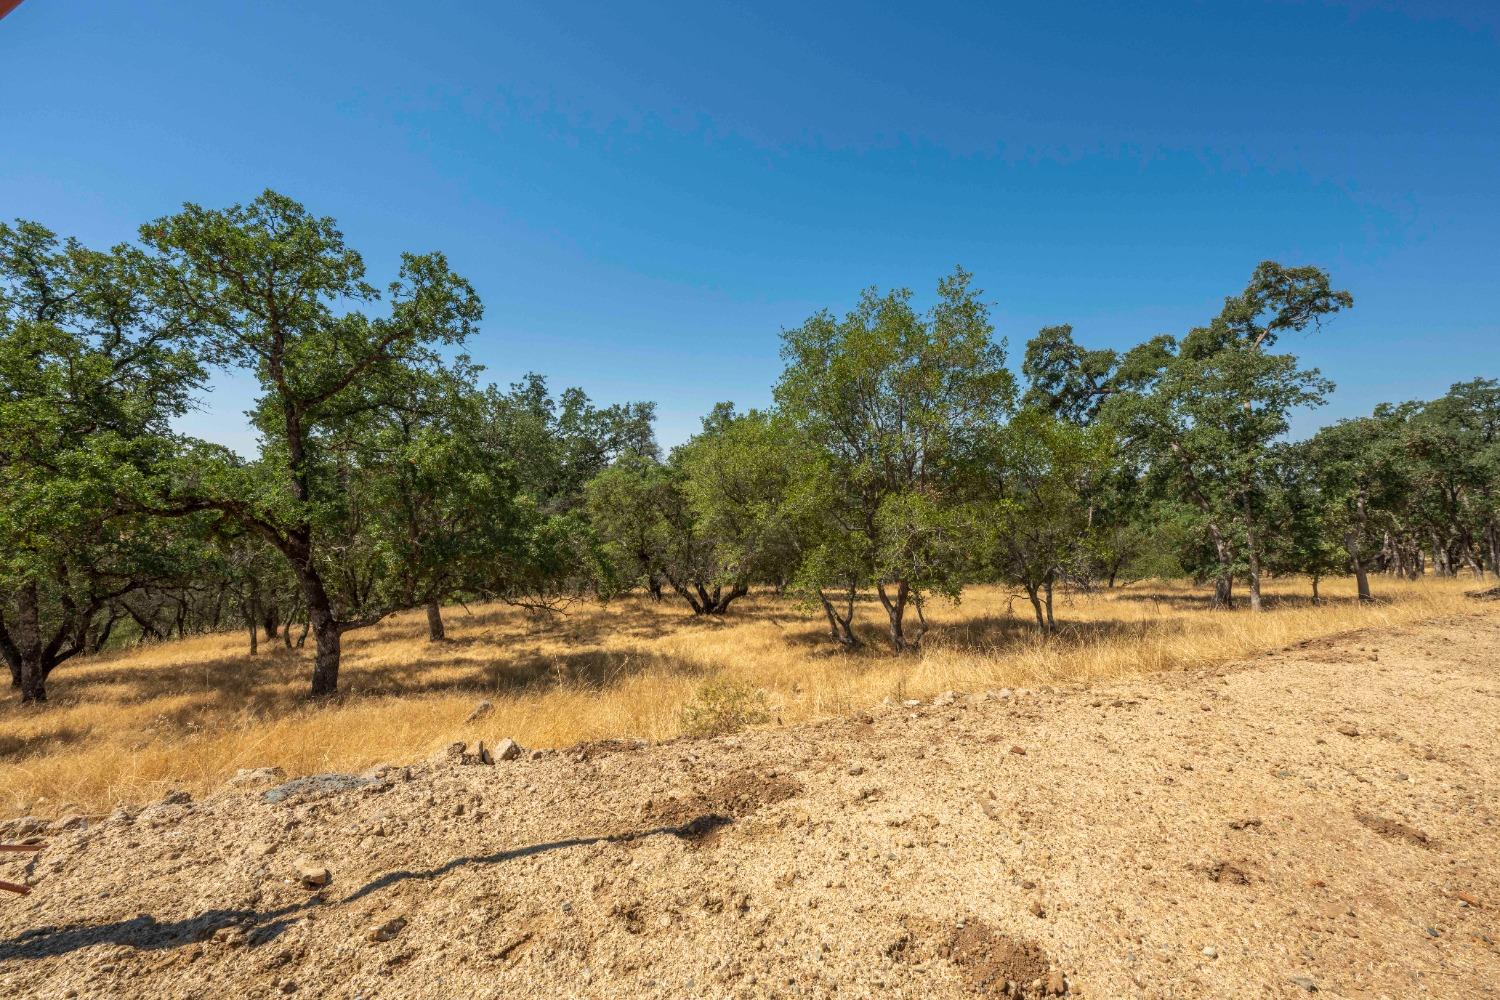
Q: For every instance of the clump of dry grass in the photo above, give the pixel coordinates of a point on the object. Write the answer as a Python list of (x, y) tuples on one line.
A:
[(127, 726)]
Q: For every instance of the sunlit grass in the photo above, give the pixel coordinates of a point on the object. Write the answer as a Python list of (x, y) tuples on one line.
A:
[(126, 727)]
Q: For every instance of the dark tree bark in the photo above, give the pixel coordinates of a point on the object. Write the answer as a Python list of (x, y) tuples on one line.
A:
[(840, 626), (895, 610), (709, 602), (435, 630)]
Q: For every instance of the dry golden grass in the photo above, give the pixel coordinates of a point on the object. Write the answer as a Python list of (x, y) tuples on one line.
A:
[(127, 726)]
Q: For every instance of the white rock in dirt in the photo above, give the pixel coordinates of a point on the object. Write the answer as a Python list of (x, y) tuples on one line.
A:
[(945, 699), (508, 749), (1006, 693), (480, 711), (313, 874)]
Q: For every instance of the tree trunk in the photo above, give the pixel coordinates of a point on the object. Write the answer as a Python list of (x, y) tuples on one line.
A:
[(254, 635), (1033, 593), (327, 633), (325, 678), (29, 644), (33, 680), (895, 610), (435, 630), (1252, 555), (840, 628), (653, 586), (1316, 599), (1224, 589), (270, 620), (1047, 589), (1356, 559), (1224, 585)]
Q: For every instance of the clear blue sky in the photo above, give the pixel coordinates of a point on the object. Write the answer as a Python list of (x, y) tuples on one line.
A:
[(645, 194)]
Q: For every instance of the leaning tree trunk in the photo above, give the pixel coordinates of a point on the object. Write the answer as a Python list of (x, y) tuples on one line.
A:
[(435, 630), (1033, 593)]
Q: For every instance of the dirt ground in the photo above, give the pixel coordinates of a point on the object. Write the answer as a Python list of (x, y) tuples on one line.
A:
[(1320, 820)]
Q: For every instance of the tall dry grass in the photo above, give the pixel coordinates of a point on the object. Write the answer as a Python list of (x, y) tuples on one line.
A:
[(127, 726)]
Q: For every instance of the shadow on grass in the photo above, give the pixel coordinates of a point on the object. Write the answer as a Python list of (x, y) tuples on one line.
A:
[(275, 682), (146, 933), (21, 746)]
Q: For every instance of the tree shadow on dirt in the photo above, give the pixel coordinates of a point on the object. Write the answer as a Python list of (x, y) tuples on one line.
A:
[(146, 933)]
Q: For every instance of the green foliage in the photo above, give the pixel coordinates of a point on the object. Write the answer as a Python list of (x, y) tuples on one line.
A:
[(91, 374), (894, 407), (1044, 476)]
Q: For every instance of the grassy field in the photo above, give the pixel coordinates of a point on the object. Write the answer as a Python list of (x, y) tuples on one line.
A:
[(127, 726)]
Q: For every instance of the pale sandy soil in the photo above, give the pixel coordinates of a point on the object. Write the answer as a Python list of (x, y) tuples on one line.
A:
[(1324, 817)]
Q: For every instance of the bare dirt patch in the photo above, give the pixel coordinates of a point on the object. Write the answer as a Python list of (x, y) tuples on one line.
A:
[(994, 964), (700, 817), (1394, 828)]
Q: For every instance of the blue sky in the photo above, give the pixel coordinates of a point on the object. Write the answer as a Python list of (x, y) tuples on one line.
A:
[(645, 194)]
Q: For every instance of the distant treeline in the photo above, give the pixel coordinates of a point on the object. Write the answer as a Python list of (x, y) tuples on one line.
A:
[(901, 457)]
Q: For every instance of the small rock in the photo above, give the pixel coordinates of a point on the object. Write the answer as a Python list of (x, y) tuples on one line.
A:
[(313, 874), (388, 930), (232, 937), (176, 798), (1006, 693), (1037, 909), (1305, 983), (69, 823), (315, 785), (508, 749), (260, 849), (912, 702), (945, 699), (1348, 730), (251, 777), (1057, 984), (25, 826), (480, 711), (1210, 952), (1018, 751)]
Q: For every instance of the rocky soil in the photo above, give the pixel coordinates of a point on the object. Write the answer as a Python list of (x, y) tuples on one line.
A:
[(1321, 820)]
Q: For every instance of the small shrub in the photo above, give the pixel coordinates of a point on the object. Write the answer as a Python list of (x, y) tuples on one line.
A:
[(721, 707)]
